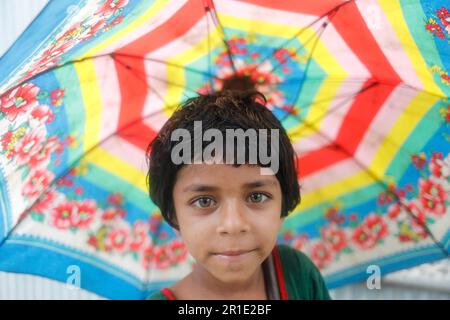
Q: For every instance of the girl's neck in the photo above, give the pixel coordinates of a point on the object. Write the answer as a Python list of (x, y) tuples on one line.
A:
[(200, 284)]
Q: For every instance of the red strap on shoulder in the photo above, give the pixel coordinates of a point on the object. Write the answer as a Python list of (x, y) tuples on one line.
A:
[(168, 293), (279, 270)]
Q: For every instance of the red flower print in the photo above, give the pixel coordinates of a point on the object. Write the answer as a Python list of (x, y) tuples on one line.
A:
[(394, 211), (91, 31), (63, 215), (42, 157), (282, 55), (419, 160), (6, 139), (139, 236), (118, 239), (115, 199), (43, 114), (445, 78), (147, 256), (56, 97), (413, 230), (19, 100), (432, 196), (377, 226), (44, 203), (155, 222), (444, 16), (178, 251), (335, 237), (436, 164), (288, 235), (110, 7), (434, 28), (116, 21), (29, 146), (37, 183), (112, 213), (300, 242), (161, 257), (84, 214), (321, 254), (363, 237), (56, 51)]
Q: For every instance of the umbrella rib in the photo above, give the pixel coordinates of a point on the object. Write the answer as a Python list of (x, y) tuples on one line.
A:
[(136, 72), (331, 12), (308, 63), (125, 55), (208, 31), (215, 18), (313, 37)]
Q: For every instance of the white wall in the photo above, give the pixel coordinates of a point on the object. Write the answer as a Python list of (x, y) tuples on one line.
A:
[(15, 15)]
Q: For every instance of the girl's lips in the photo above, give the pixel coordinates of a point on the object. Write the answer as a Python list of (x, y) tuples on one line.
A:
[(233, 255)]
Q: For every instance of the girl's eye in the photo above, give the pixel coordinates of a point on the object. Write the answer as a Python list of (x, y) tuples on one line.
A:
[(258, 197), (203, 202)]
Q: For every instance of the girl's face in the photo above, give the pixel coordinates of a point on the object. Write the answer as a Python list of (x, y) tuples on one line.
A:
[(229, 218)]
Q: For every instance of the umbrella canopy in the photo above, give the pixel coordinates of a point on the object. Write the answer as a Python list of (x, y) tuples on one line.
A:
[(361, 87)]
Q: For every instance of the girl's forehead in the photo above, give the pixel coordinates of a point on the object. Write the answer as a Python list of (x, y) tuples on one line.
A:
[(220, 174)]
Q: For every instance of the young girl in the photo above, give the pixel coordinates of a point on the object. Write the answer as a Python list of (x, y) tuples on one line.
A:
[(230, 213)]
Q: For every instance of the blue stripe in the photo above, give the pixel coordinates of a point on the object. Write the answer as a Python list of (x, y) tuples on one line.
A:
[(5, 207)]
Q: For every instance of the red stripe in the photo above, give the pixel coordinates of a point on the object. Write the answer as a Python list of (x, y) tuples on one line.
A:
[(279, 270), (133, 82), (315, 160), (168, 293), (317, 8), (353, 29), (133, 90), (175, 27)]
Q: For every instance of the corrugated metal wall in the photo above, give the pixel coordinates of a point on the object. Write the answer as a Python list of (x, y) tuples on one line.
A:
[(15, 15)]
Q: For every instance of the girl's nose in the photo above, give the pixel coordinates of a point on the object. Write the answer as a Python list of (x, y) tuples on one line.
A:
[(232, 218)]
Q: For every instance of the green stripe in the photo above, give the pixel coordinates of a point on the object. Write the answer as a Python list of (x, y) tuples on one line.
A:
[(116, 184), (415, 18)]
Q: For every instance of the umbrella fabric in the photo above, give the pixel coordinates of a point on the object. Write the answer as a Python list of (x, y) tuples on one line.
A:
[(361, 87)]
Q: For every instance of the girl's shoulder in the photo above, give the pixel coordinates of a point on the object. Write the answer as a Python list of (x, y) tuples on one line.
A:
[(302, 278)]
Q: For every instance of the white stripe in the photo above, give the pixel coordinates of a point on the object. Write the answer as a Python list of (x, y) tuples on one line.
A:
[(387, 40), (110, 93)]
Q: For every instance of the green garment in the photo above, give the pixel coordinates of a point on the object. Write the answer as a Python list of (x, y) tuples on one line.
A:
[(298, 279)]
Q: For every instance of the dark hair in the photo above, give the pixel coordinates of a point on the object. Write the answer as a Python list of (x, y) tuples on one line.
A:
[(221, 110)]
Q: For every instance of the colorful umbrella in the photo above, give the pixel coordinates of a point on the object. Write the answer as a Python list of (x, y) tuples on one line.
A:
[(361, 87)]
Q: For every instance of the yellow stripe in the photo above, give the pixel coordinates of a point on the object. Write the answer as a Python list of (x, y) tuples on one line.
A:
[(150, 13), (103, 159), (92, 102), (393, 12), (397, 135)]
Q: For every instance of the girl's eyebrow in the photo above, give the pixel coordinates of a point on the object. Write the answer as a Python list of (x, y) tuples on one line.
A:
[(200, 188), (249, 185), (260, 183)]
